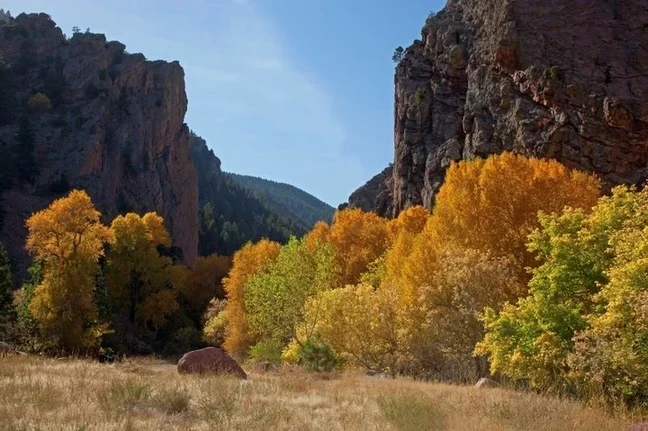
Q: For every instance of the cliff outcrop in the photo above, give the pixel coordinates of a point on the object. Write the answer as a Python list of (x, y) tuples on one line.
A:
[(83, 113), (560, 79)]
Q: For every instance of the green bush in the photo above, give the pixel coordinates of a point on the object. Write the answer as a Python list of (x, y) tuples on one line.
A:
[(266, 350), (318, 355)]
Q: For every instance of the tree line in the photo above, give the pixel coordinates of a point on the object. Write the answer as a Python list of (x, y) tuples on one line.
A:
[(523, 270), (93, 286)]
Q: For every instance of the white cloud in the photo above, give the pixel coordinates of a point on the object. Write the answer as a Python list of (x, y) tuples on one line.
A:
[(268, 116)]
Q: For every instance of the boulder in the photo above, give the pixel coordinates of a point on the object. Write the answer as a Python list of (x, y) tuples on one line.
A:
[(210, 360), (5, 349), (486, 383)]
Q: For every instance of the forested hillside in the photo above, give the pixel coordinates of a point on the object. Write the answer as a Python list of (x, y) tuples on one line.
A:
[(229, 214), (288, 201)]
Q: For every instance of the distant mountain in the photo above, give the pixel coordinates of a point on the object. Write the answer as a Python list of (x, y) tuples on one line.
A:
[(230, 214), (288, 201)]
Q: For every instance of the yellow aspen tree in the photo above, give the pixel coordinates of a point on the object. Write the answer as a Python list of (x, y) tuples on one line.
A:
[(138, 278), (68, 238)]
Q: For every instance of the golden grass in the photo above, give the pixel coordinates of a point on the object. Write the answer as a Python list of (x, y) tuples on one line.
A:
[(45, 394)]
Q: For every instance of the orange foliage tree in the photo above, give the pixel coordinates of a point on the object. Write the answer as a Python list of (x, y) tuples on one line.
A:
[(69, 239), (319, 234), (358, 239), (403, 230), (492, 205), (246, 262)]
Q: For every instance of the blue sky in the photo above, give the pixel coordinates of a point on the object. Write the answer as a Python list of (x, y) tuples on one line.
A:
[(297, 91)]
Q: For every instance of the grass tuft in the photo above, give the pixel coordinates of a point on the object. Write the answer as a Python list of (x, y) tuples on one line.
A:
[(411, 412)]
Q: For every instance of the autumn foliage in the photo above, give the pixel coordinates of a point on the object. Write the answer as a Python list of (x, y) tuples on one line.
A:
[(408, 295), (103, 284), (522, 270), (246, 261), (69, 239)]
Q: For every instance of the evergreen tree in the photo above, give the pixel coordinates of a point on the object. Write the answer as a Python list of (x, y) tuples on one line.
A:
[(26, 162), (7, 312)]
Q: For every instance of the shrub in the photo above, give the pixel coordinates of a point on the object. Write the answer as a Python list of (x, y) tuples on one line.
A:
[(318, 355), (39, 102), (266, 350), (418, 96), (215, 322)]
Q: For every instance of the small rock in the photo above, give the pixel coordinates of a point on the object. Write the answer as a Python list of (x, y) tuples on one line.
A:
[(486, 383), (379, 374), (641, 426), (209, 360), (263, 367)]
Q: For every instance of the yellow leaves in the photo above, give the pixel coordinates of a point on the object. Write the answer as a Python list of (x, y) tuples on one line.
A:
[(358, 322), (492, 205), (358, 238), (216, 321), (318, 235), (69, 225), (69, 238), (157, 307), (139, 280), (133, 231)]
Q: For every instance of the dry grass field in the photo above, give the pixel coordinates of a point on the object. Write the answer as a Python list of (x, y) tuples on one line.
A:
[(47, 394)]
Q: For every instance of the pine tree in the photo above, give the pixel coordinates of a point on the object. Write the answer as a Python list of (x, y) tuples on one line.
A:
[(26, 162), (7, 312)]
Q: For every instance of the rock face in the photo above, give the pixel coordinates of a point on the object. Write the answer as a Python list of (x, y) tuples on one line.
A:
[(115, 128), (557, 79), (376, 195), (209, 360)]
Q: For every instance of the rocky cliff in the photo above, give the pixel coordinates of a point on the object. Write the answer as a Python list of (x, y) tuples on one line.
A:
[(552, 78), (83, 113)]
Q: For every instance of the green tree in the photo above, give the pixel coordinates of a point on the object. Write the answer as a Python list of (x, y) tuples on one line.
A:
[(7, 311), (532, 340), (8, 89), (318, 355), (275, 296), (611, 354), (398, 55)]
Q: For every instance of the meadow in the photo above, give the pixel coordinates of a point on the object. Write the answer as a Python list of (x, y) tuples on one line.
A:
[(147, 394)]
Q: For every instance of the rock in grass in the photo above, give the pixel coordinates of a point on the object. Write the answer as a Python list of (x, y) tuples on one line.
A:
[(209, 360), (486, 383)]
